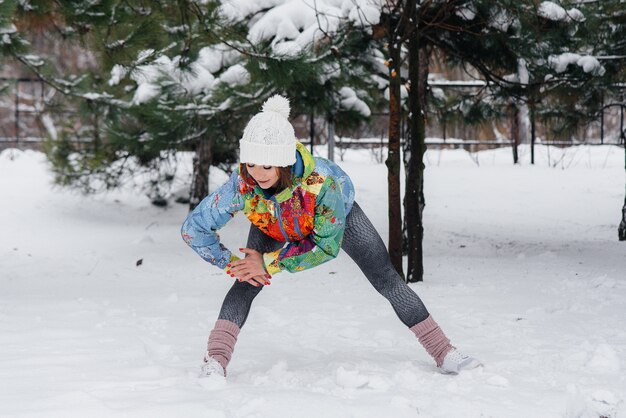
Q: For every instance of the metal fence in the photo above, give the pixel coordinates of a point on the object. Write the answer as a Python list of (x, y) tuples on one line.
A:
[(24, 123), (22, 117)]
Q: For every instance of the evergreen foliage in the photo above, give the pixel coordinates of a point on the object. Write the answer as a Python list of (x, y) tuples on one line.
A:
[(171, 76)]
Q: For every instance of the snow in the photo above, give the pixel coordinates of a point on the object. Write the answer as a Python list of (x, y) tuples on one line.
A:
[(438, 93), (588, 63), (48, 123), (522, 71), (456, 83), (216, 57), (34, 60), (192, 82), (604, 360), (501, 20), (198, 80), (236, 10), (576, 15), (404, 93), (282, 22), (591, 65), (145, 92), (552, 11), (288, 26), (118, 72), (287, 49), (523, 270), (95, 96), (5, 30), (235, 76), (560, 62), (350, 101), (363, 13), (467, 12), (301, 21)]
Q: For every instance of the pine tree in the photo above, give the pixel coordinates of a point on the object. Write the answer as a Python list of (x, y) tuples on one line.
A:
[(188, 75)]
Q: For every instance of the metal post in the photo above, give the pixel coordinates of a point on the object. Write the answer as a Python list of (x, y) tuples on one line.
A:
[(621, 123), (602, 120), (312, 131), (621, 230), (533, 133), (331, 139), (382, 145), (17, 112)]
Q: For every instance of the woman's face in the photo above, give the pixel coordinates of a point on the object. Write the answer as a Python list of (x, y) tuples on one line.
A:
[(265, 175)]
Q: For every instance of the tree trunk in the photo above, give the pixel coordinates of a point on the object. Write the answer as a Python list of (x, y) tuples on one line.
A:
[(331, 138), (312, 131), (622, 225), (515, 132), (414, 193), (393, 158), (533, 131), (201, 164)]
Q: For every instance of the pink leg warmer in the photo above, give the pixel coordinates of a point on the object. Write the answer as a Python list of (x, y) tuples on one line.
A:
[(222, 341), (432, 338)]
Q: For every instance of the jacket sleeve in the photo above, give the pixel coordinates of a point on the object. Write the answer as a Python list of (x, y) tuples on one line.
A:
[(324, 242), (200, 228)]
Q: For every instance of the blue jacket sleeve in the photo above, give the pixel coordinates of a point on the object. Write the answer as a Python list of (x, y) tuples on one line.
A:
[(200, 228)]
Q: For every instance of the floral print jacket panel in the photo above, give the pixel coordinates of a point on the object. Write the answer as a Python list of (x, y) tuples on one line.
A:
[(309, 216)]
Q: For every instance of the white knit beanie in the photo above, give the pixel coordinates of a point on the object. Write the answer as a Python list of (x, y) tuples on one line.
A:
[(269, 138)]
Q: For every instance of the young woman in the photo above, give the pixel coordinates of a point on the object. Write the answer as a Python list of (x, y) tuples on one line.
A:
[(302, 211)]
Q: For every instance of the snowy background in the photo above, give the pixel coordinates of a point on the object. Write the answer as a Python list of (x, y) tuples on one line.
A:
[(523, 270)]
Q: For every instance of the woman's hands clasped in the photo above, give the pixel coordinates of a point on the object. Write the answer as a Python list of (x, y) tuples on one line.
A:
[(249, 269)]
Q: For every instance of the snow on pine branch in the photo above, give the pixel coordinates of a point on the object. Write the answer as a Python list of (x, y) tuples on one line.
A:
[(301, 21), (291, 27), (552, 11), (350, 101), (236, 75), (588, 63), (296, 21), (10, 29), (149, 78), (217, 57), (287, 49), (362, 13), (466, 12), (118, 72), (200, 77), (502, 21), (238, 10)]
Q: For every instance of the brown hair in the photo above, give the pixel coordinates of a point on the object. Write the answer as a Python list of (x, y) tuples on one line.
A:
[(285, 177)]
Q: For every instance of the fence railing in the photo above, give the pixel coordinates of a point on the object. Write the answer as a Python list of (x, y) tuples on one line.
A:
[(22, 124), (21, 111)]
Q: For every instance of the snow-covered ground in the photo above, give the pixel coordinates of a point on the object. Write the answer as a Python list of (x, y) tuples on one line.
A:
[(523, 270)]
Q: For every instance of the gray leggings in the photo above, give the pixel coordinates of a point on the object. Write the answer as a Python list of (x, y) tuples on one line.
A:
[(364, 245)]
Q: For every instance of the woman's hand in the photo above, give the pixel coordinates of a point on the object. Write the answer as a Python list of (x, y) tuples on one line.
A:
[(250, 269)]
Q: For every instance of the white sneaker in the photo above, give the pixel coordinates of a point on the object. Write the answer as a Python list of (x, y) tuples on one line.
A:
[(211, 367), (454, 362)]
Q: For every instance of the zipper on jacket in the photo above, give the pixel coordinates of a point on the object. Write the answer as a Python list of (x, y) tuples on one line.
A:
[(296, 227), (279, 218)]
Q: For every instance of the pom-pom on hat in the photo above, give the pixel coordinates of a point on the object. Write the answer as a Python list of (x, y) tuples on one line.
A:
[(269, 138)]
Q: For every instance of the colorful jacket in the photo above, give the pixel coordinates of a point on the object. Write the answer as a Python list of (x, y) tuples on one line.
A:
[(309, 216)]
